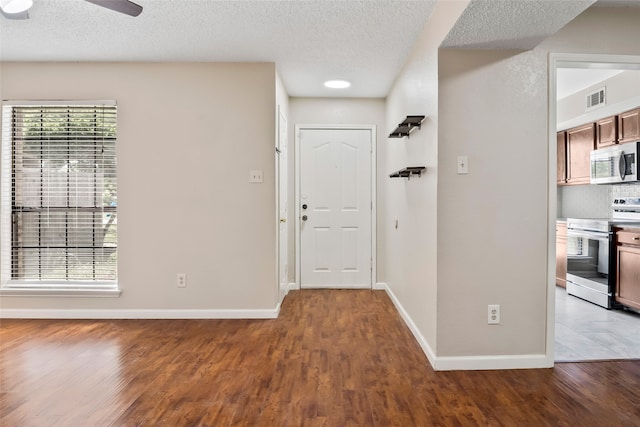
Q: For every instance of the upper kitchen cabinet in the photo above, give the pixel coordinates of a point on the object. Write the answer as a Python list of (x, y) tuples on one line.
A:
[(562, 158), (607, 132), (580, 141), (629, 126)]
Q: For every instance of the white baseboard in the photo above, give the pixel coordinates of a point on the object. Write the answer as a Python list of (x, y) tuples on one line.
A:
[(9, 313), (379, 286), (491, 362), (294, 287), (337, 286), (426, 348), (469, 363)]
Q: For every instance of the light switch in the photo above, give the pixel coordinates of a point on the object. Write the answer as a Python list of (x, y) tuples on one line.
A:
[(463, 165), (255, 177)]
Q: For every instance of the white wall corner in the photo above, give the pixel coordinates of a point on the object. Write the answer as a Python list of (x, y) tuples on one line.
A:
[(426, 348), (139, 314)]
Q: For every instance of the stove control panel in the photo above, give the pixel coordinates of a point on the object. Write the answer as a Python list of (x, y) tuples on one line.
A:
[(626, 208), (626, 202)]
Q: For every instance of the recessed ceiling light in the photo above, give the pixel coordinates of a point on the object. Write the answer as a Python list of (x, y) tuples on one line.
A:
[(337, 84), (15, 6)]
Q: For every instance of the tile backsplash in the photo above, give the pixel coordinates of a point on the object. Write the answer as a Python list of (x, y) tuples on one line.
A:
[(592, 201)]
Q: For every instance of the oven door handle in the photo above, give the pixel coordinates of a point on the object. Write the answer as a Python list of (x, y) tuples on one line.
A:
[(588, 234)]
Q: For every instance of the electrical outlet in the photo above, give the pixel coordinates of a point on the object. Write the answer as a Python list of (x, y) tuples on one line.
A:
[(182, 280), (256, 177), (493, 314)]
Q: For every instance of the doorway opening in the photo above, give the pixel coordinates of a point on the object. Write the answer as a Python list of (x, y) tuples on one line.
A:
[(580, 330)]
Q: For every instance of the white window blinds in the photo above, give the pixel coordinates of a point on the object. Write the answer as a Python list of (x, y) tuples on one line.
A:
[(59, 195)]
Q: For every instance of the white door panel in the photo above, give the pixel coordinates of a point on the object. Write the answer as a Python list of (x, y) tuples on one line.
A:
[(283, 274), (335, 185)]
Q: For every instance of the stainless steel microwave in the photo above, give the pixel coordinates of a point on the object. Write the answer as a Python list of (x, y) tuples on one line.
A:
[(615, 164)]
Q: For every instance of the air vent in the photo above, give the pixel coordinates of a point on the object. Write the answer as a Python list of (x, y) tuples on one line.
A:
[(596, 98)]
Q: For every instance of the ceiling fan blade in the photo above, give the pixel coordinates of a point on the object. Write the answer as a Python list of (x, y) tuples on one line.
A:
[(123, 6), (19, 15)]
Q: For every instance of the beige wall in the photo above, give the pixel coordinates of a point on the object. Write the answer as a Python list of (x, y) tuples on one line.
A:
[(482, 237), (410, 253), (188, 135), (599, 31), (333, 111), (492, 223)]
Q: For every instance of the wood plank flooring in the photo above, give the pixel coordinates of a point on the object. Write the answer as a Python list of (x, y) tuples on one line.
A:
[(333, 358)]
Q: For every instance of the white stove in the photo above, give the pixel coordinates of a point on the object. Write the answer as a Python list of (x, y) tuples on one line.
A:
[(591, 252)]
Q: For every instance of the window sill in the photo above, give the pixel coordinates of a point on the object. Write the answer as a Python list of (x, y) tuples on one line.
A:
[(48, 292)]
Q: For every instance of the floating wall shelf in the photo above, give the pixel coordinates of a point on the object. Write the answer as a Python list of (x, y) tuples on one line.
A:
[(407, 172), (407, 126)]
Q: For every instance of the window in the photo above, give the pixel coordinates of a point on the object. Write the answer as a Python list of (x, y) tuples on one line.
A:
[(59, 197)]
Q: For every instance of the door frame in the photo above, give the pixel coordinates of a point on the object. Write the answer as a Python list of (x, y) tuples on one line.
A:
[(372, 128), (566, 60), (281, 175)]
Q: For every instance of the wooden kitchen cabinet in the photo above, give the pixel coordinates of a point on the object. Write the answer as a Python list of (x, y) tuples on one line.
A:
[(629, 126), (562, 158), (561, 254), (607, 132), (628, 267), (580, 142)]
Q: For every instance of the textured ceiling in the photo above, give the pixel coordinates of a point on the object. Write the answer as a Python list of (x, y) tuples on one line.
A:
[(365, 42), (514, 24)]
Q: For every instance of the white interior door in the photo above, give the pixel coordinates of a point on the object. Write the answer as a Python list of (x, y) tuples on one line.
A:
[(283, 270), (335, 208)]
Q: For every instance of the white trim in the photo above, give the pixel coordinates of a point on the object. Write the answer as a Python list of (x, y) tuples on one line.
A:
[(139, 314), (293, 287), (379, 286), (281, 293), (492, 362), (374, 206), (57, 102), (552, 214), (564, 60), (59, 292), (449, 363), (426, 348), (374, 174), (336, 286)]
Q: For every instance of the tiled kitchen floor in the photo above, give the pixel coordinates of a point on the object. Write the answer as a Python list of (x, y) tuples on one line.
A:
[(585, 331)]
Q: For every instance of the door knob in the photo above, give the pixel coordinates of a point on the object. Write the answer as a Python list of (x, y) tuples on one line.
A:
[(304, 217)]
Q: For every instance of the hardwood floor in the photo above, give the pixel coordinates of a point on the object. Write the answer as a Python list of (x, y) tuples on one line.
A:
[(333, 358)]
